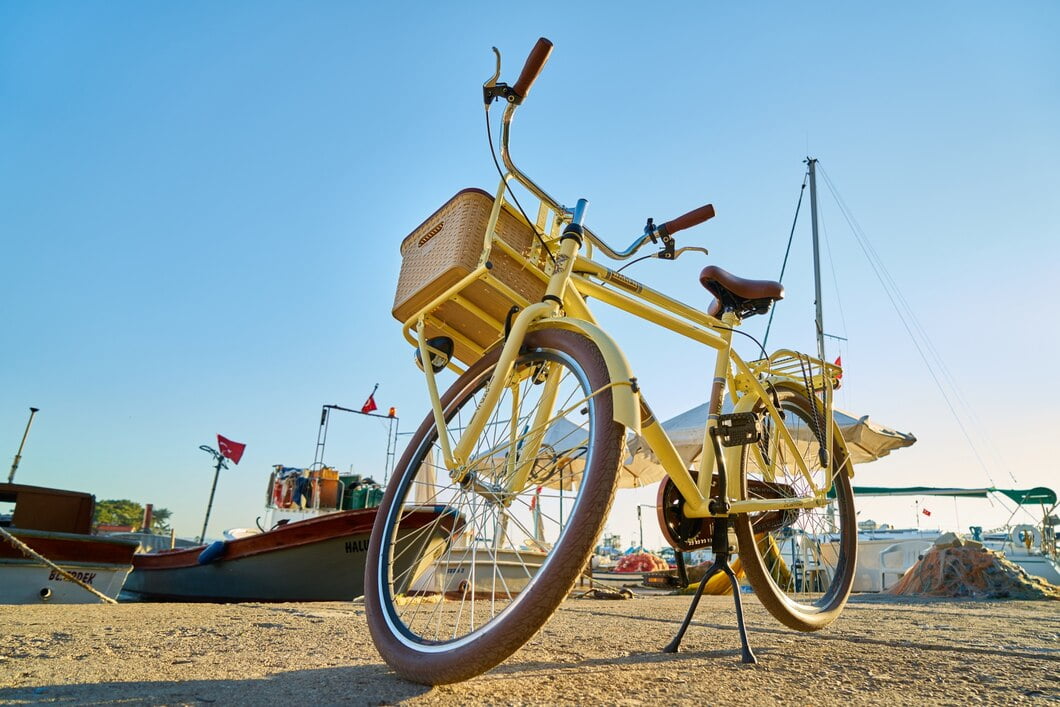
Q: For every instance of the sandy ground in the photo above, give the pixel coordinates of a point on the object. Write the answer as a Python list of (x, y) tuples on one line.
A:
[(881, 651)]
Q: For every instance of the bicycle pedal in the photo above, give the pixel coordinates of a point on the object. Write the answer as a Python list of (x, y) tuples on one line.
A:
[(739, 428)]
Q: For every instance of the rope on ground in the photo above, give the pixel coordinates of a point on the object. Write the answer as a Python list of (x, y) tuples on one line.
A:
[(605, 592), (33, 554), (600, 590)]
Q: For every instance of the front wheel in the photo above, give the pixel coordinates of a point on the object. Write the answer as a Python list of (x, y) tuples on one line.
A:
[(799, 562), (461, 574)]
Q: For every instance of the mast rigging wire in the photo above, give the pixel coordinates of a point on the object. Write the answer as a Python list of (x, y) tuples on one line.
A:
[(910, 322), (787, 252)]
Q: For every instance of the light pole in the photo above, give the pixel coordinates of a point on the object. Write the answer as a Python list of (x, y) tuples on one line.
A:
[(640, 522), (18, 455), (221, 464)]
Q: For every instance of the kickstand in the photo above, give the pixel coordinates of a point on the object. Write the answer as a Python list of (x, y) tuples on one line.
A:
[(721, 564), (720, 545)]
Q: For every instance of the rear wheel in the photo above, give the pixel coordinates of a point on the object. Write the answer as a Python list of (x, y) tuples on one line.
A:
[(496, 561), (800, 562)]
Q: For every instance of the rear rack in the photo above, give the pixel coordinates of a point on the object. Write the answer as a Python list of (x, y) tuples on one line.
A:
[(796, 367)]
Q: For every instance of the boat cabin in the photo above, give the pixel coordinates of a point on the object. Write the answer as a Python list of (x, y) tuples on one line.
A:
[(39, 508), (295, 494)]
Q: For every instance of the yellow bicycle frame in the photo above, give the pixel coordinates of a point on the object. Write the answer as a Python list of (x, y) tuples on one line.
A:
[(572, 279)]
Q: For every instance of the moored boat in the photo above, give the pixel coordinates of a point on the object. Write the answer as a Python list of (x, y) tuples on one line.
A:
[(57, 525), (318, 559), (885, 554)]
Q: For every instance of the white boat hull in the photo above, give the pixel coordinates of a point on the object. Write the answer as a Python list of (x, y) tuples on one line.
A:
[(882, 561), (29, 582)]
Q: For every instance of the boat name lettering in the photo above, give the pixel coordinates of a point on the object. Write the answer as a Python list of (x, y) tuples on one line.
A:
[(353, 546), (85, 577)]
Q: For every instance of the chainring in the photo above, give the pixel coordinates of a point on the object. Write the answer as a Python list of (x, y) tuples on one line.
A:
[(683, 533), (686, 534)]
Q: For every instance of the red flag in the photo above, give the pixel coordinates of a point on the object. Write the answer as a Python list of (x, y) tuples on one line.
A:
[(231, 450), (839, 362), (369, 405), (925, 512)]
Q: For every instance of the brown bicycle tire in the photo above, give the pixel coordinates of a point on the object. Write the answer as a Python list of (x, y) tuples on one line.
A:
[(513, 628), (803, 617)]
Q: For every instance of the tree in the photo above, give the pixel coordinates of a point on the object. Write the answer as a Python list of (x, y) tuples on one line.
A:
[(118, 512), (160, 519)]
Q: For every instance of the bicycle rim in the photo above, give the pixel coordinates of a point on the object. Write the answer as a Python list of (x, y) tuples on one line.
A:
[(800, 562)]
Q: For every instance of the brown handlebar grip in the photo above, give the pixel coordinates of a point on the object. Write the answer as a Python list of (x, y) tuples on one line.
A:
[(534, 63), (692, 218)]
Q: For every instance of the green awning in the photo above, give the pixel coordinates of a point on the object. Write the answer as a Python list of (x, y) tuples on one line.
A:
[(1034, 496), (920, 491)]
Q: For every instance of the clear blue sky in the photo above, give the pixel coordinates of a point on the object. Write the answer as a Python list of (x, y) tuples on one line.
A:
[(201, 206)]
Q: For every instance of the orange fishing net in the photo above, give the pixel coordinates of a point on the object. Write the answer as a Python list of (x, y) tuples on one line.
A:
[(971, 571)]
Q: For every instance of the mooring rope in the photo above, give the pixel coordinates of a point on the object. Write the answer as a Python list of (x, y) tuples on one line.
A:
[(33, 554)]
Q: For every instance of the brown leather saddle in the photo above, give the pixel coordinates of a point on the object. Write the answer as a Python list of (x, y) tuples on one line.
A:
[(743, 297)]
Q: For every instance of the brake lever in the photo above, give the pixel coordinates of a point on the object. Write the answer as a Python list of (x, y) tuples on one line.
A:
[(666, 254), (497, 74), (493, 89)]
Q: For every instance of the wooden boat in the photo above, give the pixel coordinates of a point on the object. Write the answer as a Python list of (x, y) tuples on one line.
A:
[(57, 524), (318, 559)]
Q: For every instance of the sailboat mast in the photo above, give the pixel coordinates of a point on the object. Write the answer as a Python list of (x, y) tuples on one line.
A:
[(826, 383), (816, 258)]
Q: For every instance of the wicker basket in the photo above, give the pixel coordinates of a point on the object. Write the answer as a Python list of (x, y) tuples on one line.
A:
[(446, 248)]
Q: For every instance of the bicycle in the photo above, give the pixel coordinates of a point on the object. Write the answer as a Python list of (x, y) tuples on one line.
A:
[(522, 455)]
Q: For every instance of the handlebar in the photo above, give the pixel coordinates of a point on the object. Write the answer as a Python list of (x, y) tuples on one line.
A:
[(535, 62), (532, 68)]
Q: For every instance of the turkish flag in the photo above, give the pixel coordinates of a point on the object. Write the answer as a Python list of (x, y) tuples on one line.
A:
[(926, 512), (839, 362), (231, 450), (369, 405)]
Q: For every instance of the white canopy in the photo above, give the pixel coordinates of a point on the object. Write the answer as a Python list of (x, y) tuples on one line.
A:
[(564, 445), (866, 442)]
